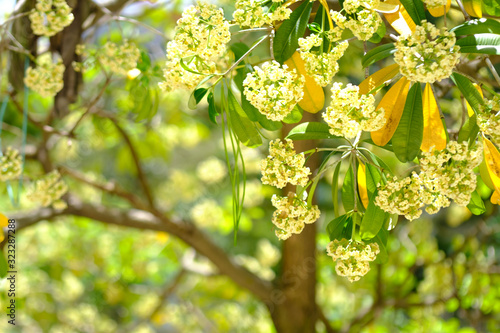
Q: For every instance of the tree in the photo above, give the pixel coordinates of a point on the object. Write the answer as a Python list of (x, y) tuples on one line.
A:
[(102, 132)]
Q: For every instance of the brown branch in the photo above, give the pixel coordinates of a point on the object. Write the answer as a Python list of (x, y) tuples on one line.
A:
[(141, 219)]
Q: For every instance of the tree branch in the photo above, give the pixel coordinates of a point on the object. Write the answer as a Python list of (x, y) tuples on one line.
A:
[(141, 219)]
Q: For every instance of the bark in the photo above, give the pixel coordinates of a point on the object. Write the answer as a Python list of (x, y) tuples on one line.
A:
[(294, 309)]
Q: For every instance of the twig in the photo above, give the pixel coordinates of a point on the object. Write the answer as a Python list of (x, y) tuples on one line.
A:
[(467, 17), (492, 69), (243, 56)]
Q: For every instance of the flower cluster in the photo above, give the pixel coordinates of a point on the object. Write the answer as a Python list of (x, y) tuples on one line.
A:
[(361, 18), (322, 66), (50, 16), (427, 55), (207, 213), (11, 165), (349, 112), (250, 13), (200, 40), (119, 58), (292, 214), (449, 172), (352, 257), (48, 190), (273, 90), (435, 3), (403, 197), (445, 175), (46, 78), (211, 170), (489, 120), (284, 165)]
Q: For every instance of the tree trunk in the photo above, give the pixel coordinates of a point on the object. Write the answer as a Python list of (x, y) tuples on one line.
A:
[(294, 305)]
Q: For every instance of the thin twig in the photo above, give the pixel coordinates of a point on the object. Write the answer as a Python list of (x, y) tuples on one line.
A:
[(493, 70)]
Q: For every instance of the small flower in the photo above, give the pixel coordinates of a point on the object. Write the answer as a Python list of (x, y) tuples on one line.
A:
[(427, 55), (50, 17), (489, 119), (207, 213), (322, 66), (349, 112), (361, 18), (352, 257), (250, 13), (211, 170), (11, 165), (48, 190), (273, 90), (284, 165), (119, 58), (292, 214), (46, 78)]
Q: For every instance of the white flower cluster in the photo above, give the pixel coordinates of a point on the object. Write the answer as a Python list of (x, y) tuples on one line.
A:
[(119, 58), (292, 214), (273, 90), (435, 3), (284, 165), (48, 190), (352, 257), (11, 165), (322, 66), (207, 213), (250, 13), (46, 78), (450, 172), (200, 40), (403, 197), (427, 55), (211, 170), (361, 18), (489, 120), (50, 16), (445, 175), (349, 112)]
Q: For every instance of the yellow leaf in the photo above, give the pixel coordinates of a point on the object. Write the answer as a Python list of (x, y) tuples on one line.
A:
[(440, 11), (4, 221), (495, 198), (314, 96), (363, 192), (378, 78), (485, 176), (387, 7), (393, 103), (324, 3), (492, 160), (473, 7), (470, 112), (434, 132), (400, 20)]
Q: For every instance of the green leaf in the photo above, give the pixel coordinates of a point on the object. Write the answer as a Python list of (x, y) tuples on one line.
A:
[(378, 35), (348, 190), (387, 147), (377, 161), (196, 97), (3, 265), (469, 130), (144, 62), (212, 110), (373, 220), (347, 232), (468, 91), (491, 7), (322, 20), (378, 53), (287, 36), (336, 227), (381, 240), (476, 204), (335, 192), (477, 26), (241, 125), (311, 131), (295, 116), (480, 43), (372, 179), (239, 49), (183, 65), (415, 9), (408, 136)]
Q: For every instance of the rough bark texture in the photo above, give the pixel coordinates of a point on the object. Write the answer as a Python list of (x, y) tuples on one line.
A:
[(294, 309)]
